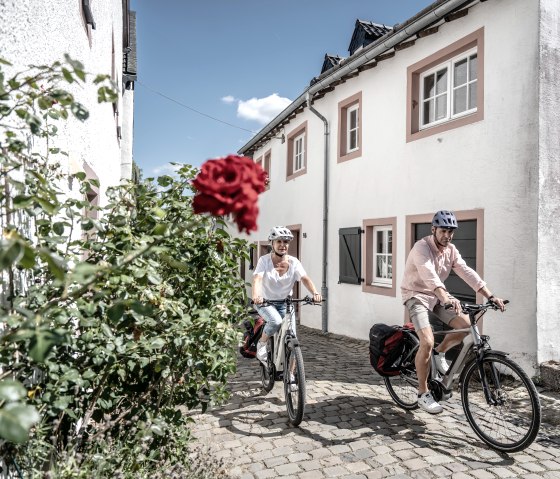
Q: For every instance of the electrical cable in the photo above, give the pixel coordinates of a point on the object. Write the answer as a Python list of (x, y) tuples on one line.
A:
[(191, 108)]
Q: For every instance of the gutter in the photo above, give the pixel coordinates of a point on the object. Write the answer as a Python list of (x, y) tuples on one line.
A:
[(424, 18), (324, 284)]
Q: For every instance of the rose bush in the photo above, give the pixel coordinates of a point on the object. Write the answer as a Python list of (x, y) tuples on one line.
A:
[(230, 185)]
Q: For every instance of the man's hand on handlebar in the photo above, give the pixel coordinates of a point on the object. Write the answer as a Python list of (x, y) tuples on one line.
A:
[(257, 300), (500, 303), (454, 304), (317, 298)]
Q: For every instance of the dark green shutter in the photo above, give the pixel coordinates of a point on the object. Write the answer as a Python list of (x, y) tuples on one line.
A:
[(350, 255)]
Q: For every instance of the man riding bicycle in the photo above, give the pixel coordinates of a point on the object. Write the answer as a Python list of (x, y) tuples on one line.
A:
[(273, 279), (428, 265)]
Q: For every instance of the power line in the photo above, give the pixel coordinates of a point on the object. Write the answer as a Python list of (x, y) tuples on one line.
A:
[(191, 108)]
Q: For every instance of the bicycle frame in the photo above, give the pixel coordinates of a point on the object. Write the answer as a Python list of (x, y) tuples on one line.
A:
[(282, 336), (474, 342)]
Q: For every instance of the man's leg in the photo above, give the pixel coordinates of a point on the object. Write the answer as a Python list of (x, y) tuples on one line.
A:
[(450, 340), (419, 316), (422, 360)]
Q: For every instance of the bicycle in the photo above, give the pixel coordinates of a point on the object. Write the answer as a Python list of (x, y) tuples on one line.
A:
[(285, 361), (499, 400)]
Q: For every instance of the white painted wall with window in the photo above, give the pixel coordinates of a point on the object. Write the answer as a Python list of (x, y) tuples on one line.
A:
[(491, 165), (57, 27)]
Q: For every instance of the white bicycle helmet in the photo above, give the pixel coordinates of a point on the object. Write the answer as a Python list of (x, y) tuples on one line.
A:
[(280, 232)]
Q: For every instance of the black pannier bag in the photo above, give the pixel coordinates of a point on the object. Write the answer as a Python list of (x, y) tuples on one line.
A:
[(386, 346), (253, 329)]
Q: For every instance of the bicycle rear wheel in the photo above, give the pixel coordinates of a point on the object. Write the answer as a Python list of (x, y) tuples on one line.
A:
[(510, 421), (403, 388), (294, 384), (268, 370)]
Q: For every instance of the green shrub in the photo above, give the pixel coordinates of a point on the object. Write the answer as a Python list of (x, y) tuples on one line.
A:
[(114, 317)]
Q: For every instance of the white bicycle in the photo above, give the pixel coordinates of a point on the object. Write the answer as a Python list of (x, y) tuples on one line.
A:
[(285, 361)]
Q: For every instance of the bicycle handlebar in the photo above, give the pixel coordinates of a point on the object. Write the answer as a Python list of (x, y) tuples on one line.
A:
[(305, 300), (468, 308)]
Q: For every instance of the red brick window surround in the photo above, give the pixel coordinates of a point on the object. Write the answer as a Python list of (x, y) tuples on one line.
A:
[(446, 89), (350, 128), (296, 164)]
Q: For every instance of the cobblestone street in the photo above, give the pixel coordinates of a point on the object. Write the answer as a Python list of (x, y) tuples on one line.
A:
[(352, 428)]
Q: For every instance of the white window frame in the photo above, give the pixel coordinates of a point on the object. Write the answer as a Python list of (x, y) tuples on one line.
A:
[(449, 90), (386, 252), (299, 153), (354, 109)]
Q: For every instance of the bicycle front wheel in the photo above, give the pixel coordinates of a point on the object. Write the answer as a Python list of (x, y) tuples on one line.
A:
[(403, 388), (294, 384), (268, 370), (509, 419)]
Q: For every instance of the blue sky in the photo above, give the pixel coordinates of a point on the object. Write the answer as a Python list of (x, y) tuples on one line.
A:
[(238, 61)]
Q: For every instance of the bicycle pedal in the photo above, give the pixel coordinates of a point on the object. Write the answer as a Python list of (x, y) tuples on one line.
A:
[(279, 376)]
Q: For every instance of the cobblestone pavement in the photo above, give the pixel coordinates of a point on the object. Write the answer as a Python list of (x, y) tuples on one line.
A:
[(352, 428)]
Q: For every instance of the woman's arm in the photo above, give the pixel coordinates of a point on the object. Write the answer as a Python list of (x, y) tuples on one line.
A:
[(306, 280)]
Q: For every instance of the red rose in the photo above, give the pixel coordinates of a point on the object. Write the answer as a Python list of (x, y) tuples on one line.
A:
[(230, 185)]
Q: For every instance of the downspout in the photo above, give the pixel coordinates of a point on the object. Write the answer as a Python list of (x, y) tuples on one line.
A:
[(324, 285)]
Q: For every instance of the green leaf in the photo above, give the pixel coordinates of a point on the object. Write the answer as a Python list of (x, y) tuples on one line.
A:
[(58, 228), (157, 343), (67, 75), (11, 390), (55, 263), (10, 252), (41, 344), (79, 111), (116, 311), (27, 261), (16, 420)]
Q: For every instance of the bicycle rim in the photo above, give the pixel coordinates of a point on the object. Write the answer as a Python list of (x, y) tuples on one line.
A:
[(403, 389), (512, 421), (267, 371), (294, 384)]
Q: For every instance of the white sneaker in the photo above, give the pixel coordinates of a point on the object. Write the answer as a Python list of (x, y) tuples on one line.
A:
[(293, 384), (441, 363), (429, 404), (262, 352)]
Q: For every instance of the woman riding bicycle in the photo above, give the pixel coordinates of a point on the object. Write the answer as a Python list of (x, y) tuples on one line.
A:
[(428, 265), (273, 279)]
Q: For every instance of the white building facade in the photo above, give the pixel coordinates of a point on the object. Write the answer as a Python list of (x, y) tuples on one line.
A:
[(102, 35), (456, 108)]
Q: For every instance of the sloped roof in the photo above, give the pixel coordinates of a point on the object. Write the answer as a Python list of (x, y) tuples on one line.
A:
[(365, 33), (330, 61)]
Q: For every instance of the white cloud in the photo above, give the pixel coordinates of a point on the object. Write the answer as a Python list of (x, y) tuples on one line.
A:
[(262, 110), (228, 99), (167, 169)]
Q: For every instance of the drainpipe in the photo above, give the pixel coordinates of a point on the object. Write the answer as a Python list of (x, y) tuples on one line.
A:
[(324, 286)]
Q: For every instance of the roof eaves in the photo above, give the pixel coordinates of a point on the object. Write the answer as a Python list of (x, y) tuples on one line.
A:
[(381, 46)]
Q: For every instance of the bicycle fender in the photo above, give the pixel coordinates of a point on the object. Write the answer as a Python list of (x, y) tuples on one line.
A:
[(497, 353), (293, 342)]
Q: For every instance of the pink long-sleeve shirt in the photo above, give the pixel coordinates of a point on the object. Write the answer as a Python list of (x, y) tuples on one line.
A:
[(427, 268)]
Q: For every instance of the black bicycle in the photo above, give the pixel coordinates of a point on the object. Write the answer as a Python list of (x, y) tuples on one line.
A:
[(285, 361), (500, 401)]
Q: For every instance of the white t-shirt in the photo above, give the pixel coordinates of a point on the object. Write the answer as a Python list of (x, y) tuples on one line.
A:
[(275, 286)]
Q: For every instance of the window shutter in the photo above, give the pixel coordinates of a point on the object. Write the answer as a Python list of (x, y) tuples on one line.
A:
[(350, 255)]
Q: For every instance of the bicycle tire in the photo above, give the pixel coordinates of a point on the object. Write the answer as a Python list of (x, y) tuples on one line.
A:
[(403, 388), (267, 370), (294, 391), (513, 423)]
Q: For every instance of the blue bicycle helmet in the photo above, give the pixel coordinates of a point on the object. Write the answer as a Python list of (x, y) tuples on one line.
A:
[(444, 219)]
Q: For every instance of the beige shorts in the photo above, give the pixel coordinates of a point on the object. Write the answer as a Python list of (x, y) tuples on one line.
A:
[(418, 314)]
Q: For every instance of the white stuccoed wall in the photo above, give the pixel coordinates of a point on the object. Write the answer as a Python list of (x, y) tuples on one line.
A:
[(548, 260), (493, 164), (41, 32)]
